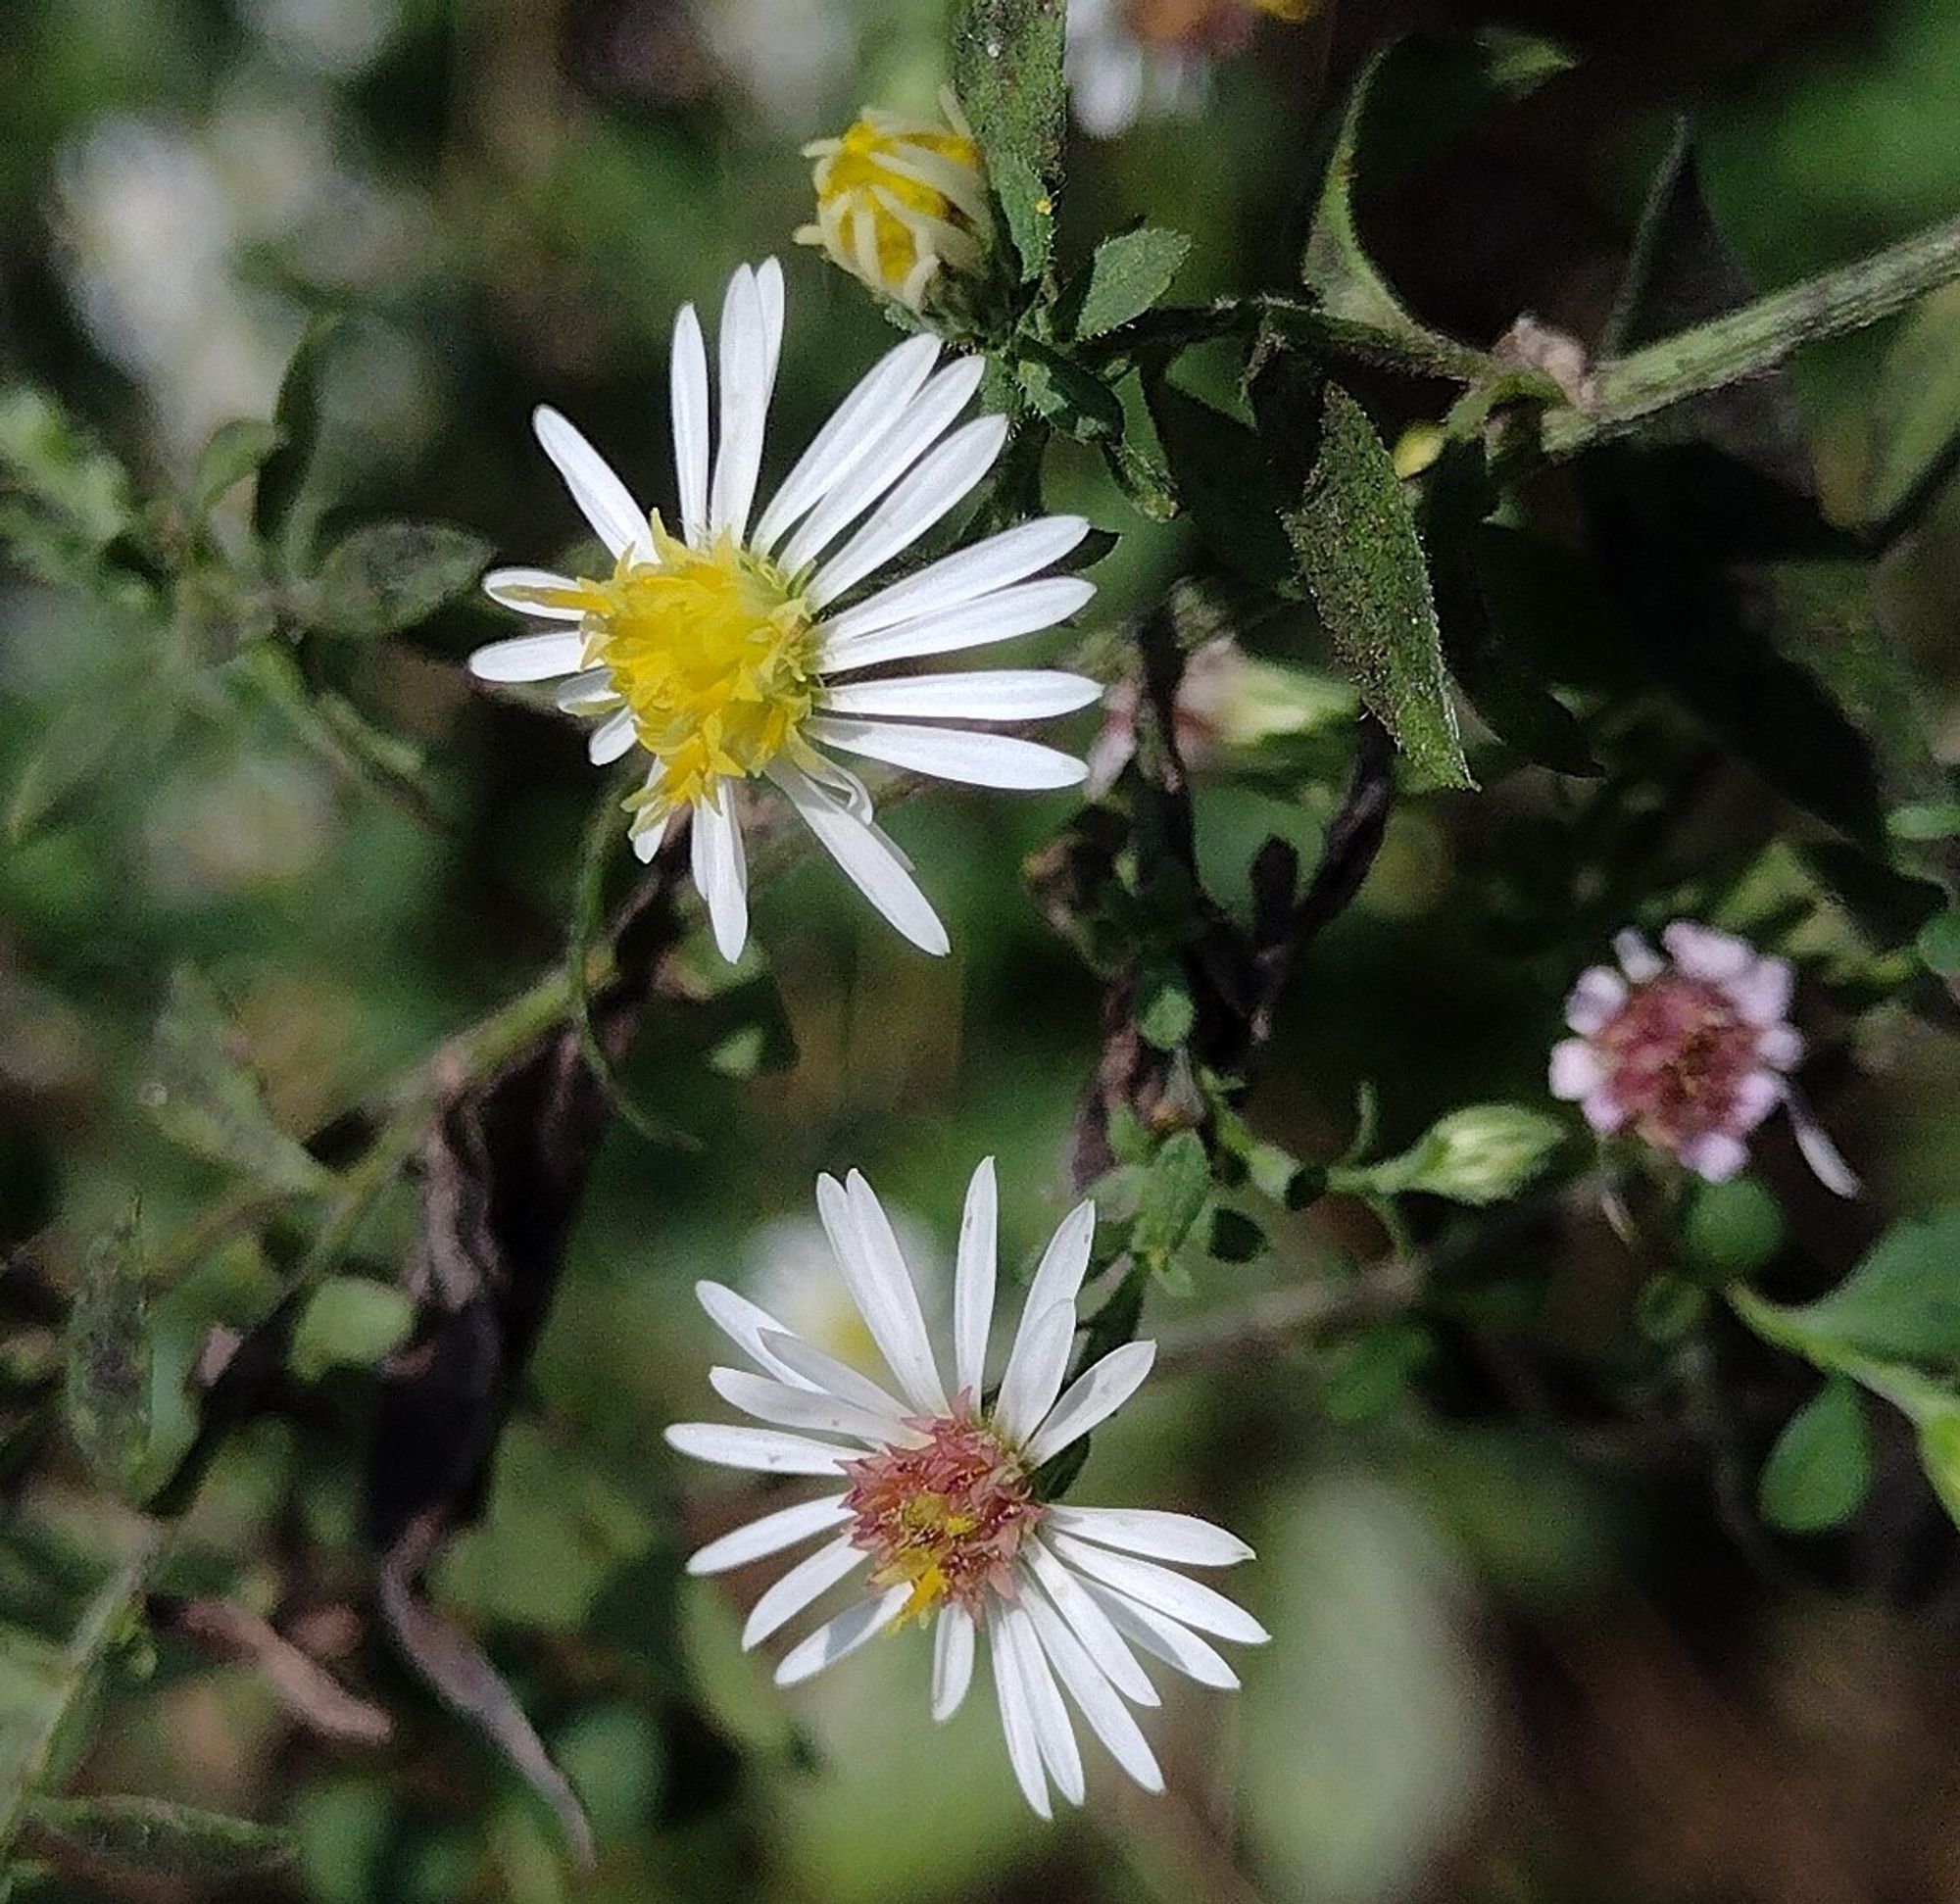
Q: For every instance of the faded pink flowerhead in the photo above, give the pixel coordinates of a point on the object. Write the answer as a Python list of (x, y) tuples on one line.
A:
[(1690, 1052)]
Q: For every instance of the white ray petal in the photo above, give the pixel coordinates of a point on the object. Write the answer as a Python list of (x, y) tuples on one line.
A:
[(1057, 1280), (603, 498), (590, 692), (1189, 1601), (895, 444), (874, 1272), (1021, 609), (938, 484), (836, 1378), (783, 1406), (1091, 1398), (1054, 1734), (844, 1635), (1034, 1368), (749, 1328), (814, 1575), (746, 380), (1092, 1625), (867, 858), (721, 868), (1152, 1533), (504, 586), (769, 289), (952, 754), (760, 1450), (978, 694), (785, 1528), (611, 738), (973, 1277), (1017, 1719), (954, 580), (1164, 1638), (851, 434), (647, 837), (689, 408), (952, 1660), (1094, 1698), (529, 657)]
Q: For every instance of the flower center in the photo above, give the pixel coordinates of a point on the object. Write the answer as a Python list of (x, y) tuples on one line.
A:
[(1675, 1055), (712, 652), (946, 1519)]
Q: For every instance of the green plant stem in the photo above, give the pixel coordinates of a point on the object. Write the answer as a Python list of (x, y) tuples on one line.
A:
[(1755, 338), (93, 1635)]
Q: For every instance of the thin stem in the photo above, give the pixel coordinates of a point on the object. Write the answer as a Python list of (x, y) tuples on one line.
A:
[(1755, 338)]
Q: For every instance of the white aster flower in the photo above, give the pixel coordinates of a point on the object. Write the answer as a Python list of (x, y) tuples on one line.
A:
[(900, 201), (1690, 1052), (940, 1511), (717, 650)]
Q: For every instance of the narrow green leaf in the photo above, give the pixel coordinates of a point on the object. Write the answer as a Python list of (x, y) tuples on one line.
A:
[(392, 575), (153, 1835), (1126, 276), (349, 1322), (205, 1095), (1175, 1187), (285, 507), (1939, 945), (1939, 1452), (234, 451), (1817, 1473), (1363, 565), (107, 1393), (1007, 70)]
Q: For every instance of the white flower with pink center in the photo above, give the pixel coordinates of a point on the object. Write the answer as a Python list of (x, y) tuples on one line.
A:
[(1690, 1052), (939, 1516)]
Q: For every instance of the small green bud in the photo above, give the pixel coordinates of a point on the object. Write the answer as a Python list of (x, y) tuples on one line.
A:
[(1481, 1155)]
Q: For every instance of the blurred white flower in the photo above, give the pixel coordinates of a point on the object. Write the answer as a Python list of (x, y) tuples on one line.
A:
[(1226, 699), (716, 650), (791, 1276), (939, 1501), (1690, 1051), (1132, 59), (901, 201), (789, 55)]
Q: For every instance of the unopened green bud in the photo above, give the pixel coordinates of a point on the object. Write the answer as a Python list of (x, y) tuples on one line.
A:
[(1481, 1155)]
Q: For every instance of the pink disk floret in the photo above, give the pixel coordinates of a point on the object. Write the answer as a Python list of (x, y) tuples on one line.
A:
[(947, 1519), (1687, 1052)]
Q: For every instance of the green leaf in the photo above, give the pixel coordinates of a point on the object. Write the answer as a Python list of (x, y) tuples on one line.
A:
[(1925, 820), (1902, 1302), (286, 506), (1363, 566), (1075, 401), (1175, 1187), (169, 1840), (1007, 70), (1227, 484), (1915, 415), (1126, 276), (1817, 1473), (1167, 1015), (1939, 1452), (106, 1395), (205, 1095), (349, 1321), (392, 575), (1234, 1237), (234, 451), (1939, 945), (48, 458)]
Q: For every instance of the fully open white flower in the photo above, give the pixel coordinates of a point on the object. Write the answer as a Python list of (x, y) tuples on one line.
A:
[(720, 650), (939, 1511)]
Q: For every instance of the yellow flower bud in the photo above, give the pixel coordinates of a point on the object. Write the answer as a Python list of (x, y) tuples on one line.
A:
[(901, 200)]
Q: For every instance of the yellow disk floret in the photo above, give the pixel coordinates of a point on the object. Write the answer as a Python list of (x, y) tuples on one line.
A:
[(898, 200), (712, 653)]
